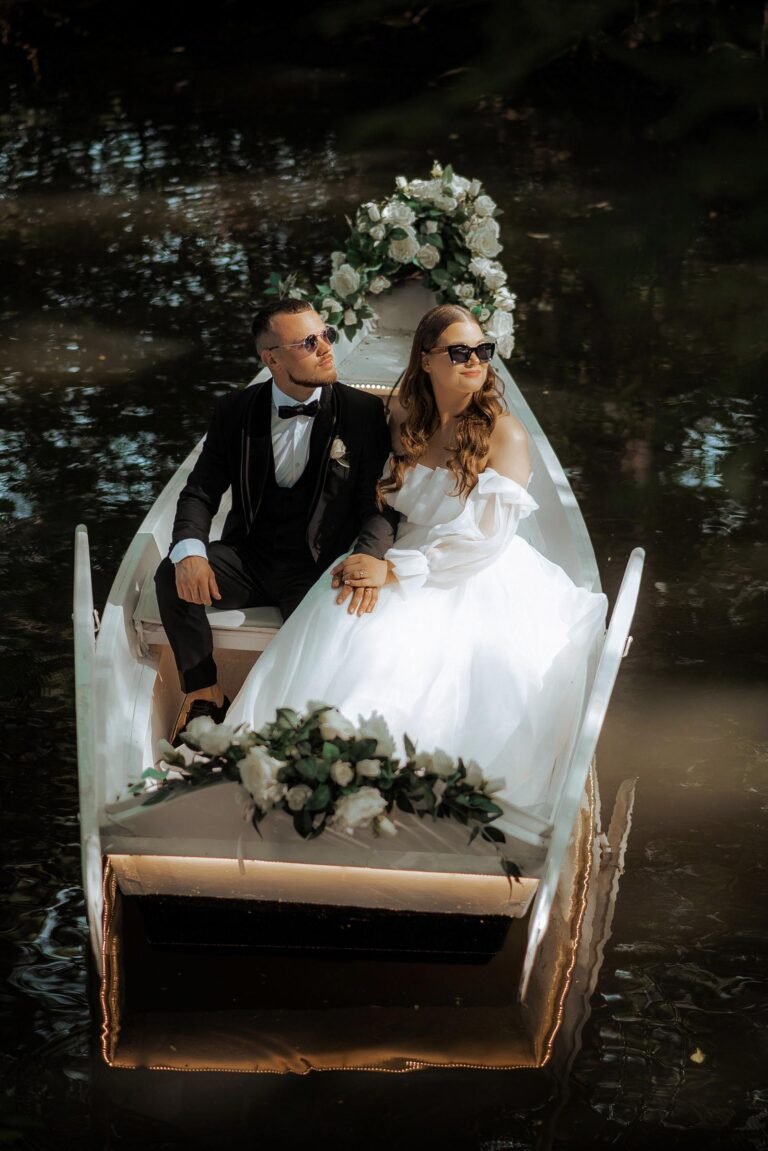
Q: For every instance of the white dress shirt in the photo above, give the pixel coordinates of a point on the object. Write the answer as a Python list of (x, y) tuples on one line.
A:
[(290, 448)]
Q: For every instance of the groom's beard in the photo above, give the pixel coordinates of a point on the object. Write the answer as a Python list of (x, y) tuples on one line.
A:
[(312, 384)]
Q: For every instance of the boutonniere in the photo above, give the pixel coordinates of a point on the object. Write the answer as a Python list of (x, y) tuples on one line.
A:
[(339, 452)]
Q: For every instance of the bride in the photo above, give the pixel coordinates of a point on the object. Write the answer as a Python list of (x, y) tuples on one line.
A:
[(463, 636)]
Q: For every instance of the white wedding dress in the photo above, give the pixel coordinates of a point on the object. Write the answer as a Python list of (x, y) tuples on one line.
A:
[(480, 649)]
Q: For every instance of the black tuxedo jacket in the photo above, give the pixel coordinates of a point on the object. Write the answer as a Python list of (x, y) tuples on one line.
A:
[(237, 453)]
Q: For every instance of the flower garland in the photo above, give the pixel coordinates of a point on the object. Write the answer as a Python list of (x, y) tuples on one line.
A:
[(325, 772), (443, 228)]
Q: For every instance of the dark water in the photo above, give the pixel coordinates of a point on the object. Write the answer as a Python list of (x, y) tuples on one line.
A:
[(139, 218)]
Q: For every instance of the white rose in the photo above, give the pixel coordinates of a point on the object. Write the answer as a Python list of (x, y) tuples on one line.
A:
[(378, 232), (384, 826), (425, 189), (401, 182), (375, 727), (505, 300), (337, 259), (196, 727), (501, 330), (342, 772), (358, 809), (474, 188), (373, 212), (428, 256), (339, 450), (345, 280), (483, 238), (484, 206), (331, 306), (396, 212), (484, 314), (379, 284), (491, 273), (458, 186), (445, 203), (464, 291), (475, 777), (437, 169), (258, 771), (369, 768), (442, 764), (404, 250), (350, 318), (297, 796), (214, 740), (334, 725), (430, 227)]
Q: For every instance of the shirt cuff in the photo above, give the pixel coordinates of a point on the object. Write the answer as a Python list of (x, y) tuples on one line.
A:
[(187, 548)]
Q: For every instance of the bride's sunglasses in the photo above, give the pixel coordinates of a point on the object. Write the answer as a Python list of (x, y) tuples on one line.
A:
[(461, 353), (309, 343)]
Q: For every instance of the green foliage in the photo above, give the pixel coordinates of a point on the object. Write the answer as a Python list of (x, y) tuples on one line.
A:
[(322, 771)]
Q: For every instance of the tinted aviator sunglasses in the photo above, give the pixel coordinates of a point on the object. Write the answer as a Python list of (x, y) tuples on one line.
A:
[(461, 353), (309, 343)]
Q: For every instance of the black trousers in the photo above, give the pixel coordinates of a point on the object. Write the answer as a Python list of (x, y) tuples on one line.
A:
[(243, 582)]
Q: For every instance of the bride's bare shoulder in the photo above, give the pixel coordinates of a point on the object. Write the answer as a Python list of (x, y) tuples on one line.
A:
[(509, 453)]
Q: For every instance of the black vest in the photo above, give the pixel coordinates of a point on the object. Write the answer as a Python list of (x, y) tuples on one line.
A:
[(278, 535)]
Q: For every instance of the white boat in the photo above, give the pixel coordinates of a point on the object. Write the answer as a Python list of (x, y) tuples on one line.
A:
[(181, 874)]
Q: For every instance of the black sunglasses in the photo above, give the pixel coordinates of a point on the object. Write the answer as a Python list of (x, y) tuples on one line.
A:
[(309, 343), (461, 353)]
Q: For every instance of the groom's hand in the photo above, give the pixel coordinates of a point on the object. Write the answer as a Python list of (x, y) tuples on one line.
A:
[(195, 581)]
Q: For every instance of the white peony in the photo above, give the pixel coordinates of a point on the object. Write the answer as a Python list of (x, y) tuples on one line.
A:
[(337, 259), (258, 771), (342, 772), (374, 213), (396, 212), (404, 250), (345, 280), (334, 725), (484, 206), (483, 237), (375, 727), (428, 255), (379, 284), (489, 271), (358, 809), (369, 768), (297, 796), (501, 330), (378, 232), (505, 300)]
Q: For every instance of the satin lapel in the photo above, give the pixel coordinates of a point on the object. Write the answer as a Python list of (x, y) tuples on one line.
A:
[(256, 457), (323, 430)]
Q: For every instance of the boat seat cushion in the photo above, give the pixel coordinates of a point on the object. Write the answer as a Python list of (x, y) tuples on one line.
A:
[(249, 629)]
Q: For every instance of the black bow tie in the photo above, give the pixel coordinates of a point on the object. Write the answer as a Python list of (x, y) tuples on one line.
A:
[(286, 411)]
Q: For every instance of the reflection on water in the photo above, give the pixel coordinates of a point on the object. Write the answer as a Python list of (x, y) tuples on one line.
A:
[(135, 242)]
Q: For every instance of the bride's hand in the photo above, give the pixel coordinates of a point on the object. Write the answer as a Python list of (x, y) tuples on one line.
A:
[(360, 570)]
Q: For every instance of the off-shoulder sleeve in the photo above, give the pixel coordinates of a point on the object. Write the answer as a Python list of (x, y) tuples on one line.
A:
[(457, 549)]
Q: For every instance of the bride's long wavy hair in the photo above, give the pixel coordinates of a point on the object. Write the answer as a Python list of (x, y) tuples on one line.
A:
[(473, 426)]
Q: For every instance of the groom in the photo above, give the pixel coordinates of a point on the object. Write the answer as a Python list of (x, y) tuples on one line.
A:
[(302, 454)]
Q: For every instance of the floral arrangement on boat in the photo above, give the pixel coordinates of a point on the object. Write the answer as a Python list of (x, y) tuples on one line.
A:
[(325, 772), (443, 229)]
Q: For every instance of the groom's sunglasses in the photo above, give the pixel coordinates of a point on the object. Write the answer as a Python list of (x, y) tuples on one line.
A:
[(461, 353), (309, 343)]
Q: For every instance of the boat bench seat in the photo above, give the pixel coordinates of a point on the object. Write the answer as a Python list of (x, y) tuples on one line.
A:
[(246, 629)]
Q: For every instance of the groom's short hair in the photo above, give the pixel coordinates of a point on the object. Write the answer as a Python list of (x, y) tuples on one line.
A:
[(261, 325)]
